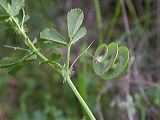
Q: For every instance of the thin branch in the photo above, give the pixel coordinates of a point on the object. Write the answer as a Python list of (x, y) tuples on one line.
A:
[(16, 48), (81, 55), (98, 100)]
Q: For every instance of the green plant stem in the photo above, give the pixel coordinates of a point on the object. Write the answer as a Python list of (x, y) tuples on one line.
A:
[(68, 56), (99, 21), (85, 51), (86, 108), (16, 48), (75, 91), (29, 43), (32, 47)]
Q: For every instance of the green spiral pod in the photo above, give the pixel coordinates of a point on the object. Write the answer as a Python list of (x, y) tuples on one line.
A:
[(111, 61)]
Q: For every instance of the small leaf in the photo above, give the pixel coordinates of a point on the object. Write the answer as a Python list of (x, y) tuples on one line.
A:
[(4, 6), (42, 44), (29, 56), (55, 57), (50, 35), (16, 6), (81, 32), (8, 62), (4, 9), (74, 21), (11, 61), (3, 16), (10, 29), (15, 69), (34, 41), (32, 57), (27, 17)]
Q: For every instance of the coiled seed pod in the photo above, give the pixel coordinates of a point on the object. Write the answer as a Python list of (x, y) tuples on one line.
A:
[(111, 61)]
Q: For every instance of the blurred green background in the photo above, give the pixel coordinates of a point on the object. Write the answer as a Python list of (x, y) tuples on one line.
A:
[(37, 92)]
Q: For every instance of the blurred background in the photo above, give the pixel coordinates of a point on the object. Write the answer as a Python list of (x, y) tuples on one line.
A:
[(37, 92)]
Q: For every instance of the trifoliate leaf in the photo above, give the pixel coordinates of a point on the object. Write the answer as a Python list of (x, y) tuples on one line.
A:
[(7, 10), (16, 6), (74, 21), (81, 32), (15, 69), (52, 36), (11, 61)]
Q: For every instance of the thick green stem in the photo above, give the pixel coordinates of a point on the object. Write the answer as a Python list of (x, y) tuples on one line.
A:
[(86, 108)]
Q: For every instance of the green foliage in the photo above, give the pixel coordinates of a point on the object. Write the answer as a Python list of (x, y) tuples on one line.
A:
[(8, 62), (81, 32), (16, 6), (4, 9), (109, 66), (7, 10), (111, 61), (52, 36), (16, 63), (74, 21)]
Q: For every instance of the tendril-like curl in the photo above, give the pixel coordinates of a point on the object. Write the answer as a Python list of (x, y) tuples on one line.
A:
[(111, 61)]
